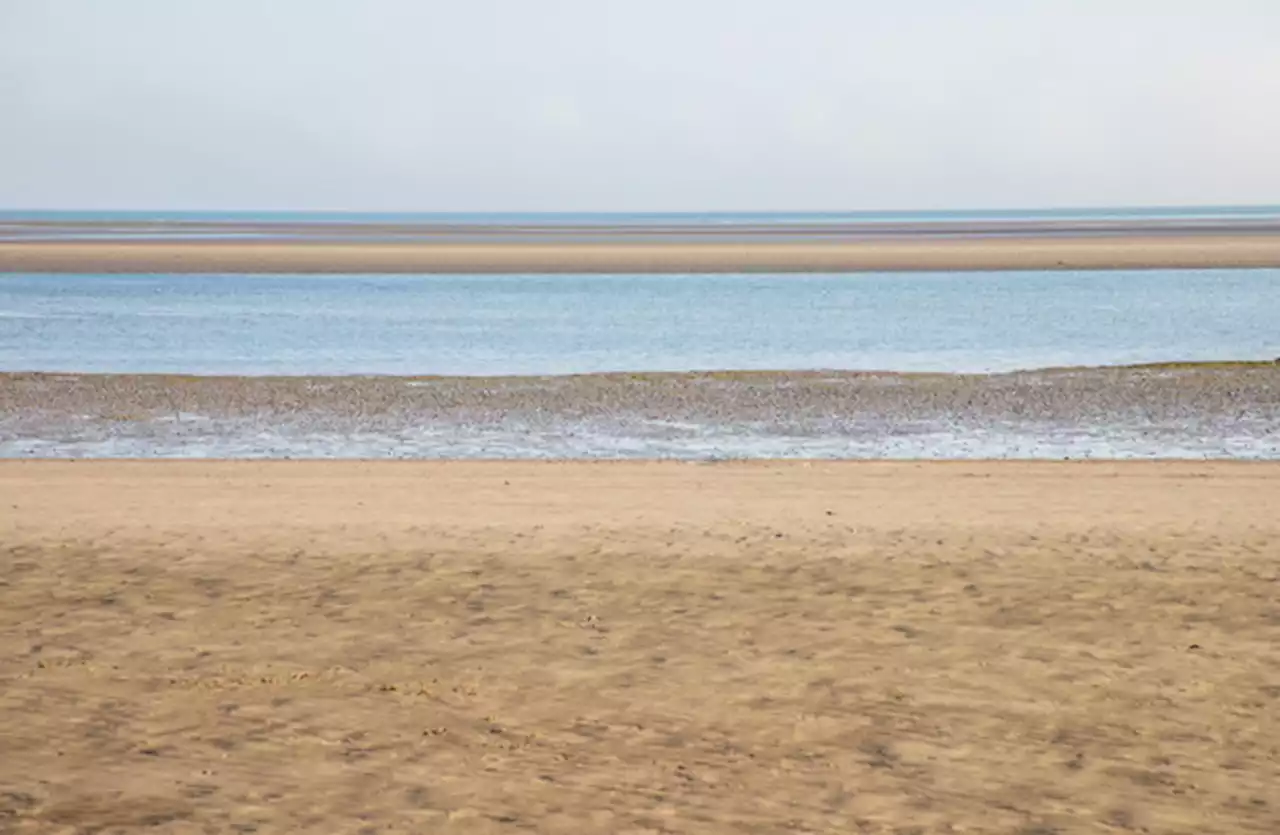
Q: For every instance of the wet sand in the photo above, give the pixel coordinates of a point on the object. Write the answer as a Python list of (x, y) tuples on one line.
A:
[(1190, 410), (668, 254), (626, 647)]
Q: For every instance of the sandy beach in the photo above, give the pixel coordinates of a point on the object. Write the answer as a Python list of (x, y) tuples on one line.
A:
[(754, 253), (639, 647)]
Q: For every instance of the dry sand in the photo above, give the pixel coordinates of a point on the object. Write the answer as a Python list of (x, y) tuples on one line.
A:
[(492, 647), (1023, 252)]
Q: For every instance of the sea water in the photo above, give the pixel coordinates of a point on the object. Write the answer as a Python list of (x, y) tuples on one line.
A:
[(566, 324)]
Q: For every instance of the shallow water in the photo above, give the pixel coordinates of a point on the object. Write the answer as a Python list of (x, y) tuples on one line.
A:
[(222, 439), (539, 324)]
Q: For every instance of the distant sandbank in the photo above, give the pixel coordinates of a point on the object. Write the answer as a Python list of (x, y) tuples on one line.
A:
[(742, 254)]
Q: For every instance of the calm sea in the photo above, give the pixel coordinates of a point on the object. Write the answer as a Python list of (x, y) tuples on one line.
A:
[(1221, 213), (540, 324)]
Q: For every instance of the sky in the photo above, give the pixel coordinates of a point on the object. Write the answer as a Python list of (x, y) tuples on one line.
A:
[(637, 105)]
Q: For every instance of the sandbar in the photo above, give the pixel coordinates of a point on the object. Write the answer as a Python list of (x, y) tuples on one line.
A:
[(750, 254)]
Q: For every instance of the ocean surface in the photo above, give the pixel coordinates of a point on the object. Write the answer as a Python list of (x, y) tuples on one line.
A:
[(540, 324), (1224, 213)]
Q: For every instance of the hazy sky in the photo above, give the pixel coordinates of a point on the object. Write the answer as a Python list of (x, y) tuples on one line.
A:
[(637, 104)]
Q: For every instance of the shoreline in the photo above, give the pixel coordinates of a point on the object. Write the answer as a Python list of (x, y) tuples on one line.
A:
[(1175, 410), (1224, 365), (1082, 251)]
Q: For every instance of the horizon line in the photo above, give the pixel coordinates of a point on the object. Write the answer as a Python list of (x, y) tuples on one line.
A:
[(1152, 207)]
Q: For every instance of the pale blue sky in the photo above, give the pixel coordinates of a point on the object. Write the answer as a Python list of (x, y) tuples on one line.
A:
[(637, 105)]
